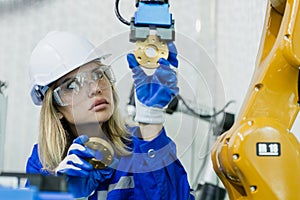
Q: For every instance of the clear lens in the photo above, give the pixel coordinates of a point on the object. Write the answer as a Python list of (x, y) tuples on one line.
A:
[(77, 88)]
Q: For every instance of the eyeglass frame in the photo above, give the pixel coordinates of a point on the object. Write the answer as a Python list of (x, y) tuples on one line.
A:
[(110, 77)]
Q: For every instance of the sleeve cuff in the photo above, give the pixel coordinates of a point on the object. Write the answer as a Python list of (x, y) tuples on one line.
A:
[(147, 114)]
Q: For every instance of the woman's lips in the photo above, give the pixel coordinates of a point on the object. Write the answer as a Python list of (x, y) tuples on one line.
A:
[(98, 105)]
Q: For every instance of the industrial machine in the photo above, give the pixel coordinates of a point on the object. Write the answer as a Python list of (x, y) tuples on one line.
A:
[(259, 157), (42, 187), (151, 28)]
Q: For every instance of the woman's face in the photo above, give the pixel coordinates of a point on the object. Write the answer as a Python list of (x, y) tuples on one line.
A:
[(88, 93)]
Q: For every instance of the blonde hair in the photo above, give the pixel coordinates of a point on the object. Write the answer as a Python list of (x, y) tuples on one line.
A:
[(55, 137)]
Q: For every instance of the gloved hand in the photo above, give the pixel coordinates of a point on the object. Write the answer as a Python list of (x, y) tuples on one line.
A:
[(82, 178), (154, 92)]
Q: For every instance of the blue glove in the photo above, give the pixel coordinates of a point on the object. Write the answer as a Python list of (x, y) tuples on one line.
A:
[(82, 178), (154, 92)]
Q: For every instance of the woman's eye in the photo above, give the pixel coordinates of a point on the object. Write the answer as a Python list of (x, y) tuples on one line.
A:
[(97, 75), (73, 85)]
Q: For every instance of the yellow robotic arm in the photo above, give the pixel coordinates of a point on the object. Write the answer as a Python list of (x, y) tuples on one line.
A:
[(259, 157)]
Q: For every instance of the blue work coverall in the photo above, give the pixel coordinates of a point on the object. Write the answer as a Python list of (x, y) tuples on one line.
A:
[(153, 172)]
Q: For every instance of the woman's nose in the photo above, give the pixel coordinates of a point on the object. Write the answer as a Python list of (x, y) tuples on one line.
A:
[(94, 89)]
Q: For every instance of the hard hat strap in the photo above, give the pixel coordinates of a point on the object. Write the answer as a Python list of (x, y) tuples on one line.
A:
[(40, 91)]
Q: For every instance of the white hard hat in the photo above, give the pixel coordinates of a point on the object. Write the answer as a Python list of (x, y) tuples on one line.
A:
[(56, 55)]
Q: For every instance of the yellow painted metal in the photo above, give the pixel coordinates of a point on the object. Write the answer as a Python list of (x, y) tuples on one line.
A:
[(267, 115)]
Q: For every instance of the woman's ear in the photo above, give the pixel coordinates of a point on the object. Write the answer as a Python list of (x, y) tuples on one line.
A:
[(60, 116)]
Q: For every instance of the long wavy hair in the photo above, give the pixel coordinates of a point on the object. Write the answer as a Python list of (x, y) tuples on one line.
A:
[(55, 135)]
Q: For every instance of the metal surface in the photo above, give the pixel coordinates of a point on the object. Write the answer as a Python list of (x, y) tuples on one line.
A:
[(151, 28), (148, 52), (259, 157), (103, 149), (278, 5)]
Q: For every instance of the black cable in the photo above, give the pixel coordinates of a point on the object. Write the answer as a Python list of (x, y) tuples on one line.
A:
[(200, 115), (204, 158), (131, 97), (124, 21)]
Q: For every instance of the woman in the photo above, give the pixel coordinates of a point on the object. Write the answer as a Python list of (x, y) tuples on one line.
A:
[(79, 101)]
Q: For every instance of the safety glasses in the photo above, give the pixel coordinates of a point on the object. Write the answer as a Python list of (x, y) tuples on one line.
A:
[(76, 88)]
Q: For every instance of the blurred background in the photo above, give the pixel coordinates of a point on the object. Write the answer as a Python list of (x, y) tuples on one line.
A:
[(217, 42)]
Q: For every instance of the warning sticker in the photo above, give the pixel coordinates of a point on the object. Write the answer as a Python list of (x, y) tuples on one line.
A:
[(268, 149)]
